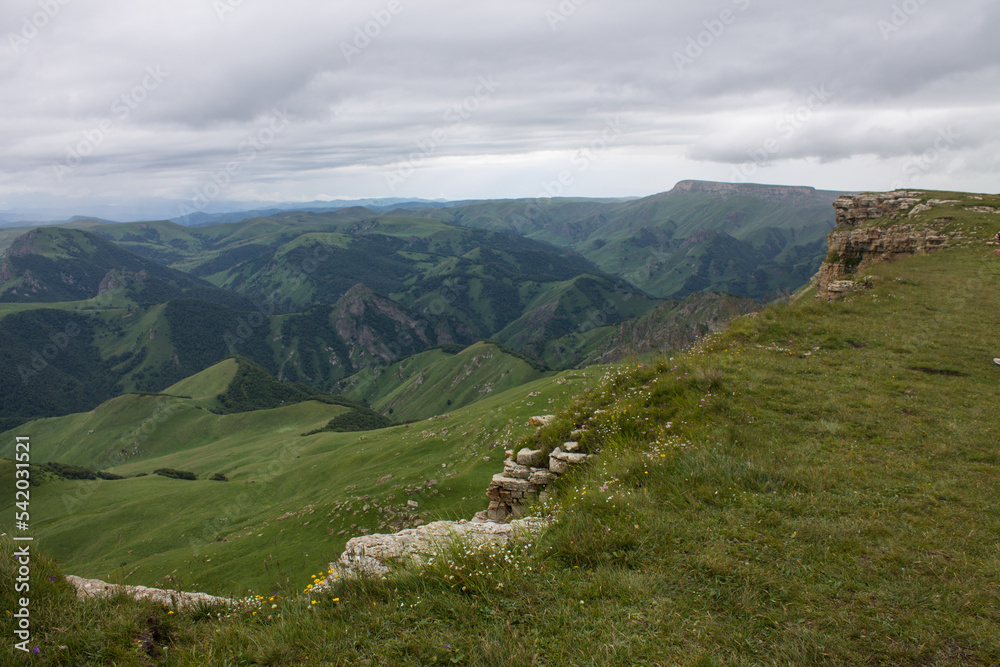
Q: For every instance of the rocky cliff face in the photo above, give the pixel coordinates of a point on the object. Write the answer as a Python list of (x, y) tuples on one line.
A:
[(852, 246), (770, 192), (855, 209)]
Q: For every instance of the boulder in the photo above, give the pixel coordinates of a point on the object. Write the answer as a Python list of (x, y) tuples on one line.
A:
[(529, 457)]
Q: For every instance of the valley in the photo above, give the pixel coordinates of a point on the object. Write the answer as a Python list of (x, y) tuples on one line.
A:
[(763, 473)]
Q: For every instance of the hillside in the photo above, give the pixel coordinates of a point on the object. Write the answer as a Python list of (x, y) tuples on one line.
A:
[(52, 264), (811, 486), (672, 327), (749, 240), (441, 380), (290, 496)]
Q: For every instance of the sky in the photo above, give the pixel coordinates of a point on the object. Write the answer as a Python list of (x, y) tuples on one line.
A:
[(141, 109)]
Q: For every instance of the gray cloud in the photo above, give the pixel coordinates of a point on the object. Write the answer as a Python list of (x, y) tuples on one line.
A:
[(699, 88)]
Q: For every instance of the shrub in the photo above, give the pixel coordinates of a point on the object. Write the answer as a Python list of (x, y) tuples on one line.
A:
[(175, 474)]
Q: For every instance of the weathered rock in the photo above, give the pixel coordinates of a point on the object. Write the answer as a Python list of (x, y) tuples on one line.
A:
[(571, 446), (541, 420), (529, 457), (542, 477), (95, 588), (515, 470), (850, 250), (852, 209), (376, 555), (573, 458)]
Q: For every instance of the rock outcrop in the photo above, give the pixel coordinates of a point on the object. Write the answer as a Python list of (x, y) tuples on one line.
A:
[(376, 555), (855, 209), (95, 588), (525, 477), (851, 248)]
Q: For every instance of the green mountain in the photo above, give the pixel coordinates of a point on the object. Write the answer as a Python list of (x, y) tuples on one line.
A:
[(441, 380), (672, 326), (749, 240), (311, 297), (810, 486), (51, 264), (294, 491)]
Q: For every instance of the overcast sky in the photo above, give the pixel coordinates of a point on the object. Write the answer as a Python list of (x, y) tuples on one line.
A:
[(130, 109)]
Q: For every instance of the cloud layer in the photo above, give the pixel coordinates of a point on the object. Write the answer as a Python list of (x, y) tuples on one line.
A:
[(128, 108)]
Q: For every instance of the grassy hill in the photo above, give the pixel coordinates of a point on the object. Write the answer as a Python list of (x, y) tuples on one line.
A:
[(441, 380), (290, 499), (812, 486)]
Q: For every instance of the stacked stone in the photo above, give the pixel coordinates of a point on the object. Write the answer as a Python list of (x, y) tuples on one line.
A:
[(525, 478)]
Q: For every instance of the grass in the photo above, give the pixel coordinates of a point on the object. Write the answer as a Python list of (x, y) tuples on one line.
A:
[(292, 500), (817, 485), (434, 382)]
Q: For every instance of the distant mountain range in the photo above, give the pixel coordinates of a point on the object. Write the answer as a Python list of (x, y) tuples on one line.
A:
[(318, 296)]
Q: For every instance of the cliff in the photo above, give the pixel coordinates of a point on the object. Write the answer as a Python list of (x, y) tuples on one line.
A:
[(769, 192), (854, 244)]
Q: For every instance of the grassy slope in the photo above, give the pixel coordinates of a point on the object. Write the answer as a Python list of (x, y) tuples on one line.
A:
[(435, 382), (156, 526), (204, 387), (815, 486)]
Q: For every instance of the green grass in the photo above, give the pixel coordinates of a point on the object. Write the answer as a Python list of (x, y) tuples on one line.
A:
[(206, 385), (435, 382), (292, 500), (815, 486)]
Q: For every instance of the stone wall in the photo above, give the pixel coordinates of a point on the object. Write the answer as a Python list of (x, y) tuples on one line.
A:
[(525, 478)]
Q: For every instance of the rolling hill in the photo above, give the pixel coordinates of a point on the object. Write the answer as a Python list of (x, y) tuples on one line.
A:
[(812, 485), (441, 380), (749, 240), (289, 494)]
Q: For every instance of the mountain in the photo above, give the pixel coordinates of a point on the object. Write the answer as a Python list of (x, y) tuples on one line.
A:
[(749, 240), (441, 380), (672, 327), (52, 264), (811, 486), (361, 330), (197, 219)]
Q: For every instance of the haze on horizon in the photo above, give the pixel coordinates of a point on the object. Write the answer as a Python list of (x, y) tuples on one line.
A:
[(142, 110)]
